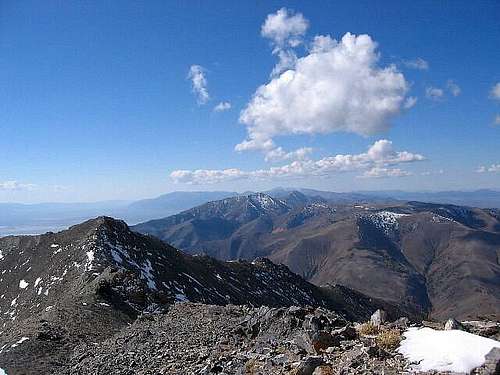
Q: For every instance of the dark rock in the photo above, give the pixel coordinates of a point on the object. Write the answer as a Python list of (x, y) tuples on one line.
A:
[(322, 340), (307, 366), (345, 333)]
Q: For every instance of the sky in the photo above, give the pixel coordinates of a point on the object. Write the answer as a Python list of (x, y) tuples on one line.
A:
[(126, 100)]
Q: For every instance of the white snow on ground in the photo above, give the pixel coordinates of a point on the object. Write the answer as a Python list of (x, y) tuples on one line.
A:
[(23, 339), (54, 245), (90, 259), (2, 372), (23, 284), (453, 350), (37, 281)]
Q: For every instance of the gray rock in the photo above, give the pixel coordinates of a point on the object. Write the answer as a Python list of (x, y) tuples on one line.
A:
[(492, 362), (379, 317), (307, 366), (453, 324)]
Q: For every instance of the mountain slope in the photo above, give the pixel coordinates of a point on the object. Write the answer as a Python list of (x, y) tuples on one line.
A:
[(425, 257), (82, 285)]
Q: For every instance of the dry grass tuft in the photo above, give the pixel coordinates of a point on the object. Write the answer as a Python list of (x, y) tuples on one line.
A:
[(368, 329), (389, 339)]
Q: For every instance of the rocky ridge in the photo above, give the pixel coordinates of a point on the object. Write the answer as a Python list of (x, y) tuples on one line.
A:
[(88, 283)]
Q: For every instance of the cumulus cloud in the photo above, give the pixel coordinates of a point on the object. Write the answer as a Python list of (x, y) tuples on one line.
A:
[(495, 91), (493, 168), (453, 88), (337, 87), (434, 93), (13, 185), (222, 106), (379, 160), (418, 63), (199, 83)]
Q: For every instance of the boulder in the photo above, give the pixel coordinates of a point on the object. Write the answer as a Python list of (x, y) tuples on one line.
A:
[(308, 366), (492, 361), (453, 324), (347, 332), (322, 340), (378, 318)]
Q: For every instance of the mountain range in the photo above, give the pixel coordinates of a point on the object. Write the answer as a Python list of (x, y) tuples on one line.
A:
[(16, 218), (429, 258)]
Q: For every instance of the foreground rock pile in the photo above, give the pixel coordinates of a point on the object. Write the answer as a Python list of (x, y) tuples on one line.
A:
[(206, 339)]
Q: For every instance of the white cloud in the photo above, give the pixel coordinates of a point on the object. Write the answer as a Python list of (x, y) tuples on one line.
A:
[(374, 163), (434, 93), (286, 31), (222, 106), (493, 168), (284, 28), (453, 88), (337, 87), (199, 83), (417, 63), (496, 120), (432, 173), (13, 185), (410, 102), (377, 172), (495, 91), (278, 154)]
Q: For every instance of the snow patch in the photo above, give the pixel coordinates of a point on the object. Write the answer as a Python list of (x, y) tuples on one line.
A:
[(23, 284), (453, 350), (90, 259), (23, 339)]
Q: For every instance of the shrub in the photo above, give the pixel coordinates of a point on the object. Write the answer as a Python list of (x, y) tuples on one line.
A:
[(367, 329), (389, 339)]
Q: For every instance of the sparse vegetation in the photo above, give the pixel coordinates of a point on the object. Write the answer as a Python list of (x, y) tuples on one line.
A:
[(389, 339), (368, 329)]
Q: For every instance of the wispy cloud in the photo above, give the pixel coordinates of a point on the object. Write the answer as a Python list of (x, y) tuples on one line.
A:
[(222, 106), (378, 172), (496, 120), (418, 63), (495, 91), (453, 88), (434, 93), (199, 83), (493, 168), (13, 185)]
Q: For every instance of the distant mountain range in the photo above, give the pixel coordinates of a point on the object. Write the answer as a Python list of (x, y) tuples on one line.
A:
[(39, 218), (436, 258)]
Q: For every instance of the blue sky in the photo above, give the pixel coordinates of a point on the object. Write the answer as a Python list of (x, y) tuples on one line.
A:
[(97, 99)]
